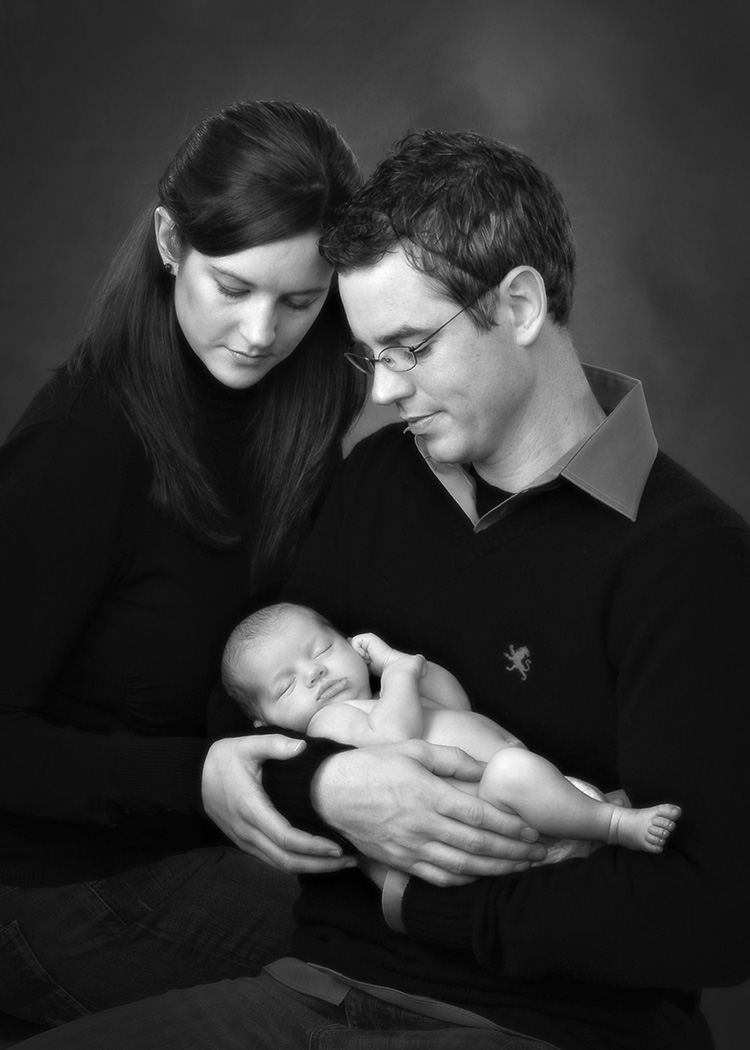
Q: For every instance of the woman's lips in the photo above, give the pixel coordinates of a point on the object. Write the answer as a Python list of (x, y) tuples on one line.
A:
[(248, 359)]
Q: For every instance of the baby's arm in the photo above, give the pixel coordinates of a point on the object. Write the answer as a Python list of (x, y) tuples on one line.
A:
[(397, 715), (443, 688), (437, 684)]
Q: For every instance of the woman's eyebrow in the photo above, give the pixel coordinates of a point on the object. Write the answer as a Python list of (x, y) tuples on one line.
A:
[(252, 284)]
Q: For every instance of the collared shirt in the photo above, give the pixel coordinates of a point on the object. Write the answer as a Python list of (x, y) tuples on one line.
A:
[(612, 463)]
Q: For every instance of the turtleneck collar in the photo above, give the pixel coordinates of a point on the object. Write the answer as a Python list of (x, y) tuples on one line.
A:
[(212, 394)]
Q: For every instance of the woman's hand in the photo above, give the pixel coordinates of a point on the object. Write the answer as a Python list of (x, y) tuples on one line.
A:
[(234, 799), (394, 805)]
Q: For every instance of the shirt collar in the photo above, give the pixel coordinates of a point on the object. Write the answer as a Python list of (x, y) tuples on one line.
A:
[(611, 464)]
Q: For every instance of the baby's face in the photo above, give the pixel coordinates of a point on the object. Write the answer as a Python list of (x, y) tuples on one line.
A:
[(301, 668)]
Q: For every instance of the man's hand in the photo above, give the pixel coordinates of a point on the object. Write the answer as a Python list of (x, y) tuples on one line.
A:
[(392, 803), (233, 797)]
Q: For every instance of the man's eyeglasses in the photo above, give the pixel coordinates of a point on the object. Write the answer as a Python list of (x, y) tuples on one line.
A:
[(395, 358)]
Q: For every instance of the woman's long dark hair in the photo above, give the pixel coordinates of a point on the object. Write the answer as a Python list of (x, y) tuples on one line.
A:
[(254, 173)]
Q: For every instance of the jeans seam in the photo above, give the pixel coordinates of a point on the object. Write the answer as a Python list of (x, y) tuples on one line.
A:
[(26, 958), (313, 1042), (92, 888)]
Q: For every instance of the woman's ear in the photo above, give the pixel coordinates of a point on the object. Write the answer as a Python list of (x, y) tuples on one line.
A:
[(522, 289), (166, 239)]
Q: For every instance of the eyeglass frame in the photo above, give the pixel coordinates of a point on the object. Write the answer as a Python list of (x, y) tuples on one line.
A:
[(355, 359)]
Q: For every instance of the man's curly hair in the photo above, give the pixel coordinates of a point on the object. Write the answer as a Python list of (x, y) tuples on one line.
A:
[(466, 210)]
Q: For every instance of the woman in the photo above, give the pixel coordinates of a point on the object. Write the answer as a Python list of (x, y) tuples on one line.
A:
[(155, 488)]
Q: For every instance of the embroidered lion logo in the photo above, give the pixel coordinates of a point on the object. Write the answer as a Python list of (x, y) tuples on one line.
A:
[(518, 660)]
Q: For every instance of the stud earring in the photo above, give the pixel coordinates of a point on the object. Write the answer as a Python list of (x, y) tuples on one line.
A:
[(168, 267)]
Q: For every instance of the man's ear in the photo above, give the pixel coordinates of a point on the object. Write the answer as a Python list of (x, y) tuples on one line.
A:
[(166, 238), (522, 291)]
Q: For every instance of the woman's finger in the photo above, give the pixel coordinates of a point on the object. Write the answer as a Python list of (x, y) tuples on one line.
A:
[(265, 849)]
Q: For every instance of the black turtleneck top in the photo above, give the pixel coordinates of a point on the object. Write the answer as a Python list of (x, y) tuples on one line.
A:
[(113, 643)]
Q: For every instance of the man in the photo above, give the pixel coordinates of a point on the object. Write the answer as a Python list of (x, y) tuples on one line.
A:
[(520, 518)]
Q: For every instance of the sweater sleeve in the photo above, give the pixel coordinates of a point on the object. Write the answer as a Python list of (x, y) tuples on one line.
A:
[(681, 919), (64, 491)]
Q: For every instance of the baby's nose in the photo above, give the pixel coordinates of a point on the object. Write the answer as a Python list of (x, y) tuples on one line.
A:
[(316, 672)]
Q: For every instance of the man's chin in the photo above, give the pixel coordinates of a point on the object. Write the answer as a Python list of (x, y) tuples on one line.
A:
[(441, 450)]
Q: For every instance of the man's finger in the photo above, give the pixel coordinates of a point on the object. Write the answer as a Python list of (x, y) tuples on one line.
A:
[(486, 856), (447, 761), (475, 813)]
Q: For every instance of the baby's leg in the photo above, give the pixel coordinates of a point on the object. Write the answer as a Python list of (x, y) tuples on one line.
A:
[(547, 801)]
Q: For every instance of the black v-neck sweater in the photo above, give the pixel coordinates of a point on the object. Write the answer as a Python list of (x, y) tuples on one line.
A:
[(635, 635)]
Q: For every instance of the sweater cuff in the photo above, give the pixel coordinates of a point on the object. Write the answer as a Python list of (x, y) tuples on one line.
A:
[(288, 784), (162, 774), (436, 915)]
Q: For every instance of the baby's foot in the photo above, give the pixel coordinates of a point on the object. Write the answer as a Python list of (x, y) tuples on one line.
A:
[(376, 653), (643, 829)]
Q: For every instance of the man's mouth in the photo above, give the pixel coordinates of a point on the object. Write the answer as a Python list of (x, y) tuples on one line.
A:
[(417, 424)]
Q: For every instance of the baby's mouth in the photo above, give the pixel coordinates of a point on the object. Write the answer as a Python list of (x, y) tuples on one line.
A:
[(329, 691)]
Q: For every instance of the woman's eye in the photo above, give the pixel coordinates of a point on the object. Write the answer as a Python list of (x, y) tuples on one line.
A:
[(232, 293), (296, 305)]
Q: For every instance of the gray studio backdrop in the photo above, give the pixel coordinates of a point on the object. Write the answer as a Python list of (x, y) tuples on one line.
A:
[(637, 109)]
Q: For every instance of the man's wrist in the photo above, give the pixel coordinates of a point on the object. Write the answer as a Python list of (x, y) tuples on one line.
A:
[(324, 786)]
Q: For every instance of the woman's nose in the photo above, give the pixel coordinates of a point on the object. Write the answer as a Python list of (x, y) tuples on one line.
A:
[(258, 324)]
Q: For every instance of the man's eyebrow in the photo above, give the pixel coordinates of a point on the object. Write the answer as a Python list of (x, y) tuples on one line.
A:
[(402, 336)]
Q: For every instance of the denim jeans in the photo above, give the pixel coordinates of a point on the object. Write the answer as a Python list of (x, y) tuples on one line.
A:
[(192, 918), (262, 1014)]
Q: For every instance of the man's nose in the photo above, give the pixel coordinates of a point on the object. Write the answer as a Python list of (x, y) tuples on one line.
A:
[(258, 324), (389, 386)]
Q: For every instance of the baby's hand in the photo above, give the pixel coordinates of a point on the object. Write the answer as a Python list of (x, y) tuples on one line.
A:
[(373, 651), (378, 655), (404, 663)]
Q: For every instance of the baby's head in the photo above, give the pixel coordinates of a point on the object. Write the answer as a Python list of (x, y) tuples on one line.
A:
[(284, 662)]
